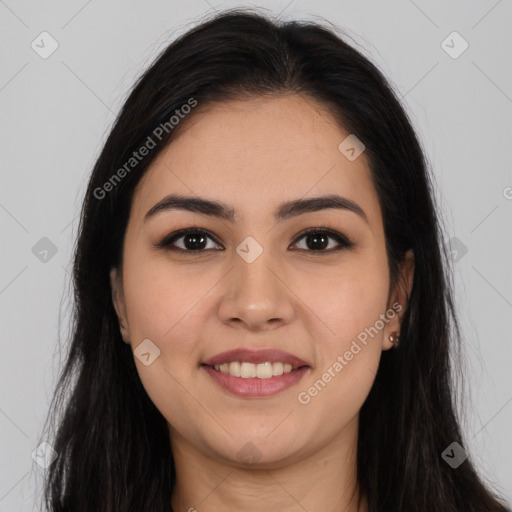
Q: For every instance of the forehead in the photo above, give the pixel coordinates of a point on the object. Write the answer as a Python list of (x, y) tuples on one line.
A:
[(254, 154)]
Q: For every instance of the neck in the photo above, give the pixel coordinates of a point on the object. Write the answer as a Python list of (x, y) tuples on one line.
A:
[(325, 480)]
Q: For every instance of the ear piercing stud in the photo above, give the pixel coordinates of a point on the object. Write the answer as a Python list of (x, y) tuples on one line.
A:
[(394, 338)]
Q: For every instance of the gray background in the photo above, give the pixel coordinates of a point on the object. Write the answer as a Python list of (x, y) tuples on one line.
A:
[(57, 111)]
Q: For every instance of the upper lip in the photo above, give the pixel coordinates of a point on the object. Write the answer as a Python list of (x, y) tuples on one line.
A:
[(255, 356)]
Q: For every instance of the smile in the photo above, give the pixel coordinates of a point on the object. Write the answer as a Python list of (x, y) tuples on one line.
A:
[(249, 384), (247, 370)]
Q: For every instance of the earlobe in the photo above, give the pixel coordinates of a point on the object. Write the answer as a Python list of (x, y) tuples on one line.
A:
[(118, 302)]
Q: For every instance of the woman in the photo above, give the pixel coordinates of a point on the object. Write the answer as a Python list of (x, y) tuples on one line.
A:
[(263, 317)]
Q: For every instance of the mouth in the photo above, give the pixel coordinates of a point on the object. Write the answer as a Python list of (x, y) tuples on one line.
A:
[(255, 374), (249, 386)]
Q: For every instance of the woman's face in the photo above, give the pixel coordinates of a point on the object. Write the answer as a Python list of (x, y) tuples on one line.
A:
[(255, 282)]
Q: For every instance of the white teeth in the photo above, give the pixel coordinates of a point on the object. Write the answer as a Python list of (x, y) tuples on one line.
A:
[(264, 370), (248, 371), (234, 368), (277, 368)]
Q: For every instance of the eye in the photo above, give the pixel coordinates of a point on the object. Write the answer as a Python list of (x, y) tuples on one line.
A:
[(194, 240), (318, 239)]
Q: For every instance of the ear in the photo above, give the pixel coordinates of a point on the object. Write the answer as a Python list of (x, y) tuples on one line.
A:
[(116, 286), (399, 299)]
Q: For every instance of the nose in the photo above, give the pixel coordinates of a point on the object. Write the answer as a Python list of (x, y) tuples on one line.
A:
[(257, 296)]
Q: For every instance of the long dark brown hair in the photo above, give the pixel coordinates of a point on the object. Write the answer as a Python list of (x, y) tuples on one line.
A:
[(113, 444)]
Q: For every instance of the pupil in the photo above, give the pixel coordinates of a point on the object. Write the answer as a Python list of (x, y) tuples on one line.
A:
[(194, 238), (315, 239)]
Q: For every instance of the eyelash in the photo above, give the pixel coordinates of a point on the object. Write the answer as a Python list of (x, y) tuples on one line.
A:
[(168, 240)]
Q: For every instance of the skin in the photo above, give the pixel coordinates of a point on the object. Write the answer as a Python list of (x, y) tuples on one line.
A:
[(252, 155)]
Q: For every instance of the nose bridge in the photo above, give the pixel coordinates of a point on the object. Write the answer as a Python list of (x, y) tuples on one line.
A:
[(256, 291), (253, 278)]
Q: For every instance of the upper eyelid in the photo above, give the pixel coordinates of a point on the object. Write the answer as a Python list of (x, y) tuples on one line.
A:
[(171, 238), (179, 233)]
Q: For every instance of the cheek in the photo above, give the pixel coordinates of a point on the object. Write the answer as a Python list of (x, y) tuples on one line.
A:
[(167, 307), (349, 351), (349, 299), (166, 301)]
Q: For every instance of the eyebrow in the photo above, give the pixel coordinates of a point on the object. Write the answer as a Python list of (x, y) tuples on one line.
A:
[(283, 212)]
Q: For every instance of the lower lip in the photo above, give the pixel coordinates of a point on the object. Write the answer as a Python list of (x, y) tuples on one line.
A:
[(255, 388)]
